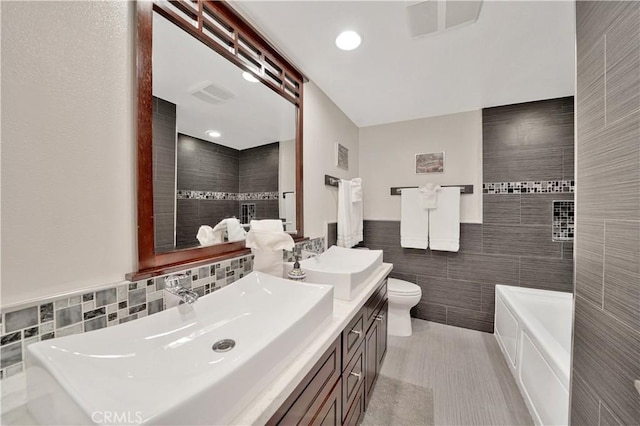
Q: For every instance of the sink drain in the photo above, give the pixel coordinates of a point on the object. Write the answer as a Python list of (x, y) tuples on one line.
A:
[(223, 345)]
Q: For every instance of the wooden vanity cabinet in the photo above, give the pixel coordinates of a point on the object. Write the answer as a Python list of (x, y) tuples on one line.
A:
[(338, 388), (375, 349), (307, 404)]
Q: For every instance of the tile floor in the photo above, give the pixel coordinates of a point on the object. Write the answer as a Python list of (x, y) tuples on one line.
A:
[(471, 382)]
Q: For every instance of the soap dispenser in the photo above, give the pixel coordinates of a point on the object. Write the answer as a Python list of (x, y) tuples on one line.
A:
[(297, 274)]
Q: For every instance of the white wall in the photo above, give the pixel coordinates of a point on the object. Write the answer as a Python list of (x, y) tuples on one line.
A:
[(387, 158), (324, 126), (286, 172), (68, 199)]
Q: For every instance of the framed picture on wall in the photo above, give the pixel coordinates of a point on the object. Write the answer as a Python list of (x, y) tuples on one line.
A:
[(342, 156), (432, 162)]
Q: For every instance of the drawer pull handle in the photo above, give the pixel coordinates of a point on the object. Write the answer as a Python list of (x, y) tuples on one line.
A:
[(380, 317), (358, 375), (356, 332)]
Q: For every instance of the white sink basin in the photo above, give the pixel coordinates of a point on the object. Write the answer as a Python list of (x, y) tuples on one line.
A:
[(346, 269), (162, 370)]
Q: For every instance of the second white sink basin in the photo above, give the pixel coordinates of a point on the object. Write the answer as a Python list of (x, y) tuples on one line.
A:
[(346, 269), (162, 369)]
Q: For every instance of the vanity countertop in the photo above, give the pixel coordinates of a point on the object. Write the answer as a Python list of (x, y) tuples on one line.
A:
[(260, 410)]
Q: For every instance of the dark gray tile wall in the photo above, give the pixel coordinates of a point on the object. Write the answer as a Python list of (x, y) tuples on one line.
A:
[(524, 142), (164, 172), (606, 348), (258, 168), (206, 166)]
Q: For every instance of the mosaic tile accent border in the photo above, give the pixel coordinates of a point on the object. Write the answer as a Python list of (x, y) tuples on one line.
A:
[(532, 187), (563, 225), (315, 245), (185, 194), (89, 310)]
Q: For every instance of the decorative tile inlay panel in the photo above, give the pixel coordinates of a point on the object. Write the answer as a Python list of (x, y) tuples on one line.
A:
[(185, 194), (532, 187), (563, 228), (123, 302)]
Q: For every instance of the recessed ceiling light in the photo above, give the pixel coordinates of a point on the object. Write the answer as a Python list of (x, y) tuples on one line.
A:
[(348, 40), (214, 133), (249, 77)]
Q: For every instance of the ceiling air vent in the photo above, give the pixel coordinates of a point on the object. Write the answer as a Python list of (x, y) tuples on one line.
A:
[(210, 93), (435, 16)]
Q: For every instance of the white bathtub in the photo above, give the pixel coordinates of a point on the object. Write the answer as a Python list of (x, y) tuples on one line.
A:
[(533, 329)]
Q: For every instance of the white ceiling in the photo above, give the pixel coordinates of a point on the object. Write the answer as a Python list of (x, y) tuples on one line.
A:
[(517, 51), (256, 115)]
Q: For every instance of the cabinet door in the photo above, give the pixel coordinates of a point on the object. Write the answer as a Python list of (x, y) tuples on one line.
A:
[(371, 361), (382, 319)]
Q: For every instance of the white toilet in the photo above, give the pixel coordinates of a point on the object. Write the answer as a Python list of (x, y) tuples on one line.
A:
[(403, 296)]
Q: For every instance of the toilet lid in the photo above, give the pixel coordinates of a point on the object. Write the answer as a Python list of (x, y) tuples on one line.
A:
[(397, 286)]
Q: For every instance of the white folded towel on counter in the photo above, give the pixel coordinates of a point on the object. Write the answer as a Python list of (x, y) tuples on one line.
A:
[(444, 221), (429, 195), (269, 240), (266, 247), (207, 236), (235, 231), (414, 220), (267, 225)]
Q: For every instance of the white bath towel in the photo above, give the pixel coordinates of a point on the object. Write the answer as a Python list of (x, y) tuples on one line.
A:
[(349, 216), (356, 190), (267, 225), (429, 195), (444, 221), (414, 220)]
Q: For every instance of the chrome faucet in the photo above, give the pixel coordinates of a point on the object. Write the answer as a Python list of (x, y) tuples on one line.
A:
[(173, 286)]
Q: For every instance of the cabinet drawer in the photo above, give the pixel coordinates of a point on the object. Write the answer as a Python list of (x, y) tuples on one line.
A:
[(354, 415), (306, 400), (352, 336), (374, 303), (330, 413), (352, 379)]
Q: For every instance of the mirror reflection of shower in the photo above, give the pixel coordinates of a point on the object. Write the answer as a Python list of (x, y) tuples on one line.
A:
[(223, 145)]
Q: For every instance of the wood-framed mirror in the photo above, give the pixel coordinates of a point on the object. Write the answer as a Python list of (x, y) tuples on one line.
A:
[(200, 66)]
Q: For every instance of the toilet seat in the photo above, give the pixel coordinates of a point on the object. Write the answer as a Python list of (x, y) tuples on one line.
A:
[(402, 288)]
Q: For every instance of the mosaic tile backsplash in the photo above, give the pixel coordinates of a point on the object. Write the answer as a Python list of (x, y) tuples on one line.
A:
[(563, 226), (91, 310), (533, 187), (185, 194)]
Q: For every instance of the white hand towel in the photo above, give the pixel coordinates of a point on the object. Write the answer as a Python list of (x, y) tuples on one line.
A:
[(444, 221), (429, 195), (235, 231), (349, 216), (414, 220), (267, 225)]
